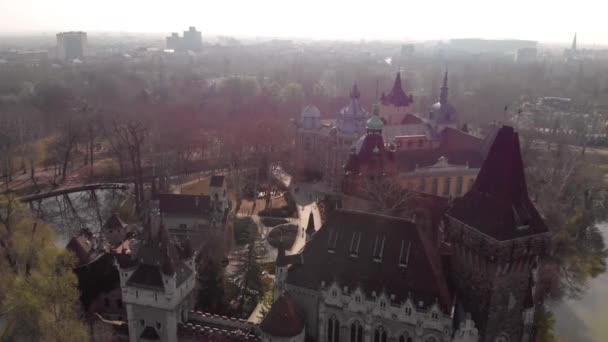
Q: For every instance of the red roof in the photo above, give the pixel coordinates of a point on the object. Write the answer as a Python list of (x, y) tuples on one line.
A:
[(411, 119), (397, 97), (284, 318), (370, 156), (499, 205), (454, 139)]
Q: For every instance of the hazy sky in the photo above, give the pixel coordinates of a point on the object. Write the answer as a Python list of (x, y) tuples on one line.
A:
[(544, 20)]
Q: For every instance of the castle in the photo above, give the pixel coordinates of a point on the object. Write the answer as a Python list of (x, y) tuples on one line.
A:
[(466, 275)]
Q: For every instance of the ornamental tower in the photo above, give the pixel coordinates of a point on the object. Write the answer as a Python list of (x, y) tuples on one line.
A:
[(157, 284), (497, 236)]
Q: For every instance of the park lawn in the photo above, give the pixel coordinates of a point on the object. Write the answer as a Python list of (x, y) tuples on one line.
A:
[(200, 187)]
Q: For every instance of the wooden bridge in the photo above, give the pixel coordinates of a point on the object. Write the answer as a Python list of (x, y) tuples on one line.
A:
[(87, 187)]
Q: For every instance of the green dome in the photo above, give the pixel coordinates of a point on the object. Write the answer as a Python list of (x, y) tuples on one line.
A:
[(375, 123)]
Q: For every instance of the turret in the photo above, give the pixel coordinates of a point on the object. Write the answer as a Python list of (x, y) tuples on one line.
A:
[(310, 228), (281, 267)]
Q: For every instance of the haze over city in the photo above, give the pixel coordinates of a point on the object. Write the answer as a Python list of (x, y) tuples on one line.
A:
[(545, 21)]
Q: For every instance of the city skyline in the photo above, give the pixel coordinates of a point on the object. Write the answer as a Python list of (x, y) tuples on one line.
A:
[(340, 19)]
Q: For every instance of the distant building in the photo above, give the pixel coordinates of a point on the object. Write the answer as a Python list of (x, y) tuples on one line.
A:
[(497, 46), (526, 55), (396, 104), (191, 41), (71, 45)]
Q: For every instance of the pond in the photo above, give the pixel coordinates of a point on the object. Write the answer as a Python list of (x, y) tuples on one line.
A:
[(585, 319), (68, 214)]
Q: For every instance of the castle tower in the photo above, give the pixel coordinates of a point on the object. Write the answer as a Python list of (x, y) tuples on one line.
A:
[(396, 104), (157, 284), (497, 236), (281, 266), (443, 113)]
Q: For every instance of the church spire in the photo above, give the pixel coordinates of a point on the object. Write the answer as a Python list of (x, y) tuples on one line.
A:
[(574, 43), (443, 96), (354, 93)]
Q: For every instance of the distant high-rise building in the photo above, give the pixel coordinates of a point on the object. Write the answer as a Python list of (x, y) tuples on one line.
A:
[(191, 41), (71, 45)]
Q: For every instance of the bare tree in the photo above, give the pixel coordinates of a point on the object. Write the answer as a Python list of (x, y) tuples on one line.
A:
[(386, 193)]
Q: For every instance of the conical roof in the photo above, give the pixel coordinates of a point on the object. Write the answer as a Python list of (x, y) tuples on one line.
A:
[(284, 319), (310, 228), (374, 123), (498, 205), (397, 97)]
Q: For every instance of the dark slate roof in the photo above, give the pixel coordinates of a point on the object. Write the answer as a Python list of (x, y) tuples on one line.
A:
[(147, 276), (284, 319), (150, 334), (455, 139), (499, 205), (423, 277), (82, 247), (216, 181), (114, 222), (370, 155), (184, 204), (310, 227), (397, 97)]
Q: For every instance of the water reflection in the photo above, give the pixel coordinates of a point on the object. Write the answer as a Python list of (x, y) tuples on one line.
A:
[(584, 319), (70, 213)]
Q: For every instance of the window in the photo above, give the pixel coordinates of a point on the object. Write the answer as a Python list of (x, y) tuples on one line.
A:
[(356, 332), (382, 305), (447, 184), (459, 185), (357, 299), (106, 302), (408, 310), (119, 303), (158, 325), (378, 248), (380, 334), (434, 186), (404, 253), (354, 244), (142, 322), (333, 329), (136, 294), (405, 338), (434, 315), (156, 296), (334, 293)]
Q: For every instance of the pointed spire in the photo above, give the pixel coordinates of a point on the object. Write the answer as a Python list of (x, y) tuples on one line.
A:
[(397, 86), (574, 43), (354, 93), (310, 228), (443, 97)]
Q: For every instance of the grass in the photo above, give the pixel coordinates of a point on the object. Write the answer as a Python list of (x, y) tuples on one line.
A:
[(197, 188), (284, 234), (245, 230)]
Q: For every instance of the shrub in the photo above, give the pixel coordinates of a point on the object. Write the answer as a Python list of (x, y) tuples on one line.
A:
[(245, 230), (285, 234)]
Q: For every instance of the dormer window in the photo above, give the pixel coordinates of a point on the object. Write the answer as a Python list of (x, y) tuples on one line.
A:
[(434, 315), (404, 253), (382, 305), (355, 241), (408, 311), (333, 241), (357, 299), (334, 293), (378, 248), (521, 217)]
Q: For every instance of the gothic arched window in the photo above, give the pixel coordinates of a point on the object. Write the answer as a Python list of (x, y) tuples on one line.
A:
[(380, 334), (405, 337), (356, 332), (333, 329)]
